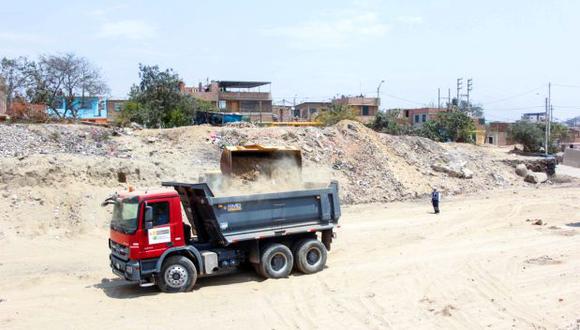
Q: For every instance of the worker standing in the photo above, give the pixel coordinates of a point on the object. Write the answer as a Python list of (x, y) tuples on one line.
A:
[(435, 198)]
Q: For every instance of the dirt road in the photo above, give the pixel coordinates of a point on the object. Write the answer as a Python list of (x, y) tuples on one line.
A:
[(479, 264)]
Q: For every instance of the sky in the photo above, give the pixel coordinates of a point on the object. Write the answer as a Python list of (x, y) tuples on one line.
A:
[(316, 50)]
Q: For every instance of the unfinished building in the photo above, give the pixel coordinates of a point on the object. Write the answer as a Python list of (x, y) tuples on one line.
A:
[(249, 98)]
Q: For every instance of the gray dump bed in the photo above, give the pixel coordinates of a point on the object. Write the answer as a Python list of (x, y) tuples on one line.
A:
[(226, 220)]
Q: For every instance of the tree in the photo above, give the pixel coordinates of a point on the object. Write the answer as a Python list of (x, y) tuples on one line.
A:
[(529, 135), (387, 122), (16, 74), (157, 101), (336, 113), (66, 77), (453, 126)]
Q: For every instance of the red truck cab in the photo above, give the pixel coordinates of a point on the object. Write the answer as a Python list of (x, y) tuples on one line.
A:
[(143, 227)]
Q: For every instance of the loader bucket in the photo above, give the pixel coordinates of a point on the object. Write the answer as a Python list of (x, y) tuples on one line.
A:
[(252, 160)]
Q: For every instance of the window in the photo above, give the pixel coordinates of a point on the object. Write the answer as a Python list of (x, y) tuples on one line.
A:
[(160, 213), (222, 104), (407, 113), (424, 118), (416, 118), (118, 107), (365, 110)]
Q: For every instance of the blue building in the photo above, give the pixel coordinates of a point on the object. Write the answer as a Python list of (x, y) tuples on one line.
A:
[(92, 108)]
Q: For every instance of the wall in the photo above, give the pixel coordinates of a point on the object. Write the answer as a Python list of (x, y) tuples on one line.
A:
[(572, 157), (114, 108), (87, 108)]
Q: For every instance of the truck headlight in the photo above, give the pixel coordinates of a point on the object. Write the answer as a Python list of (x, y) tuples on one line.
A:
[(129, 270)]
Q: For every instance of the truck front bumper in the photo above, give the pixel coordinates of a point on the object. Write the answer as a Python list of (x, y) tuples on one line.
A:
[(125, 269)]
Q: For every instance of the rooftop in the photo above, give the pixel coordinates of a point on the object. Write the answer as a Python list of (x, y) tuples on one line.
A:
[(241, 84)]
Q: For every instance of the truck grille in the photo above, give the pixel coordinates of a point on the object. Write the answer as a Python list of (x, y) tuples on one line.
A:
[(119, 250)]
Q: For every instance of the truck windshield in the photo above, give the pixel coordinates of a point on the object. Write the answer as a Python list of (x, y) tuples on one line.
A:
[(125, 215)]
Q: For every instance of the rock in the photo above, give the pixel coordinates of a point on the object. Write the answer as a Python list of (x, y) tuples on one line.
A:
[(521, 170), (151, 139), (456, 172), (536, 177), (466, 173), (538, 222), (134, 125)]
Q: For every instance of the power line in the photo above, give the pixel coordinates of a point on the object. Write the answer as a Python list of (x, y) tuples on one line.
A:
[(402, 99), (566, 85), (518, 108), (514, 96)]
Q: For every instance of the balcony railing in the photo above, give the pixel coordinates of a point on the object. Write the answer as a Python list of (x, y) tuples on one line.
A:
[(258, 96)]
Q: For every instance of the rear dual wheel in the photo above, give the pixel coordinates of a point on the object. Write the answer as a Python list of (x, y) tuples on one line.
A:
[(310, 256), (276, 261)]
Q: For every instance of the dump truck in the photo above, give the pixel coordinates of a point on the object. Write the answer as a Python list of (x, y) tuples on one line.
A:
[(151, 243)]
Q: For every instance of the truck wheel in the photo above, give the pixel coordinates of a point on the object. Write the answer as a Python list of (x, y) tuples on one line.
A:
[(178, 274), (310, 256), (276, 261)]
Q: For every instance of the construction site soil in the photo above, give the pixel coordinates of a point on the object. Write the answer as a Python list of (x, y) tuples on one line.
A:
[(393, 266)]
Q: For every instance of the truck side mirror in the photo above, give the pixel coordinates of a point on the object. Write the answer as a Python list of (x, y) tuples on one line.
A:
[(148, 217)]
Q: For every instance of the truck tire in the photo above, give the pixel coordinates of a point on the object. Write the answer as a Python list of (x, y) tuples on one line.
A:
[(310, 256), (276, 261), (178, 274)]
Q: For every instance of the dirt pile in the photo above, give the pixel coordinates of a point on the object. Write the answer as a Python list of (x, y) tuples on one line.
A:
[(373, 167), (369, 166)]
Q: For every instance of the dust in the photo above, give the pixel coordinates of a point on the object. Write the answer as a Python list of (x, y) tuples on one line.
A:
[(284, 174)]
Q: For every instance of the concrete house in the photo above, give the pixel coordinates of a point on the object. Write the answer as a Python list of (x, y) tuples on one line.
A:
[(250, 98)]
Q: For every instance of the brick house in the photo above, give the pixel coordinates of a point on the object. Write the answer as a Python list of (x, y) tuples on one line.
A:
[(365, 107), (416, 117), (497, 133), (244, 97)]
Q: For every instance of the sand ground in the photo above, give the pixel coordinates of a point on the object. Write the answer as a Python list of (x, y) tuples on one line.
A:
[(477, 265)]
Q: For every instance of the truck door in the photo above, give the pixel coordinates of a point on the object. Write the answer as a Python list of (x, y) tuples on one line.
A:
[(161, 236)]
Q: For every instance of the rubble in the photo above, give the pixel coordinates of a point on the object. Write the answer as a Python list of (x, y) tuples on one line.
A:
[(22, 141), (521, 170), (369, 166), (536, 177)]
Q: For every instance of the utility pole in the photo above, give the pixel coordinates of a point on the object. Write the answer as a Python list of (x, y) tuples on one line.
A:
[(549, 112), (378, 94), (459, 87), (546, 130), (438, 98), (294, 108), (469, 89), (448, 98)]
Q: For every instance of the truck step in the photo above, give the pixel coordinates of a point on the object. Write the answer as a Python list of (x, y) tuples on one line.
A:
[(144, 284)]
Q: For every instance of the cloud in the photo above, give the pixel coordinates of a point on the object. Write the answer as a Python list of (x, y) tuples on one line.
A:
[(333, 31), (127, 29), (411, 20)]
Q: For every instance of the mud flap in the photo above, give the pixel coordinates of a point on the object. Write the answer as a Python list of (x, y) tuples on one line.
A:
[(327, 236)]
